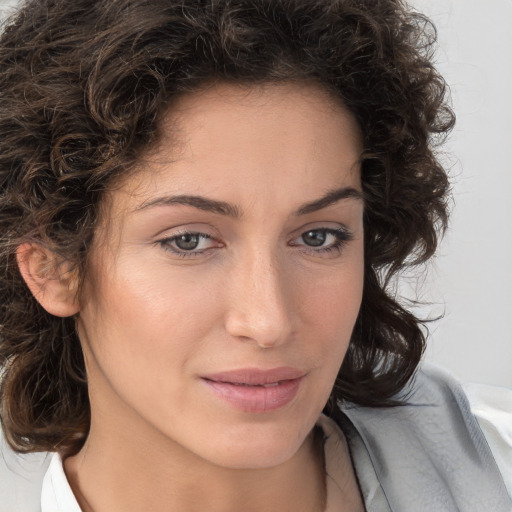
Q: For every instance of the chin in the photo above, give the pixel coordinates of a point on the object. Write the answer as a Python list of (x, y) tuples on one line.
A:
[(258, 458), (254, 448)]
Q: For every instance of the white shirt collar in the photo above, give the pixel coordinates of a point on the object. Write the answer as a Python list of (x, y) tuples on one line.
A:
[(56, 495)]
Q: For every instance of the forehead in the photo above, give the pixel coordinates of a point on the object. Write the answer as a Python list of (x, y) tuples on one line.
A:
[(281, 112), (237, 142)]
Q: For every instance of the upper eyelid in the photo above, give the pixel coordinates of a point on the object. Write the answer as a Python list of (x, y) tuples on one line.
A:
[(174, 236), (322, 225), (332, 230), (342, 236), (176, 232)]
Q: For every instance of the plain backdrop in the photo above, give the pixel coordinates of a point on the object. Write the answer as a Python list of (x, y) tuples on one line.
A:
[(470, 281)]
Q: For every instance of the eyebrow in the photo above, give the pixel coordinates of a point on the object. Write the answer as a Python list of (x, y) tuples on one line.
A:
[(329, 199), (230, 210), (199, 202)]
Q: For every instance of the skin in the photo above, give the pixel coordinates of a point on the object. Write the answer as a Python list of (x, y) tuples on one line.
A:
[(253, 294)]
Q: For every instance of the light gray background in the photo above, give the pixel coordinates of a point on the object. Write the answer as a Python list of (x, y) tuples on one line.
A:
[(472, 278), (470, 282)]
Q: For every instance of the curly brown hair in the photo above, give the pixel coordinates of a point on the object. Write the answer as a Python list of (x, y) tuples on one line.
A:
[(83, 88)]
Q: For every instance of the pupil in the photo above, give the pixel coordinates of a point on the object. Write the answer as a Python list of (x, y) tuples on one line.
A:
[(314, 238), (187, 242)]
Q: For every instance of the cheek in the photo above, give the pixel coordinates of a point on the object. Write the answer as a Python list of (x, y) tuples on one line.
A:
[(328, 311), (141, 336), (154, 298), (146, 322), (332, 304)]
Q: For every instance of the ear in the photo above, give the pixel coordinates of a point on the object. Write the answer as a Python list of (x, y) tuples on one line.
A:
[(52, 282)]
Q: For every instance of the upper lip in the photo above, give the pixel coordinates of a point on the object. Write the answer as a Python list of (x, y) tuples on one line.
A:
[(256, 376)]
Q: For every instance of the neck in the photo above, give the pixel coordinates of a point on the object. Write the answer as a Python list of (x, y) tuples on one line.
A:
[(133, 469)]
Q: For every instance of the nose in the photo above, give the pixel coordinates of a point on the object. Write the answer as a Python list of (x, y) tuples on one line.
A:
[(259, 296)]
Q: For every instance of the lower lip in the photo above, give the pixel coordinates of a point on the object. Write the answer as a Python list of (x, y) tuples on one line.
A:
[(256, 398)]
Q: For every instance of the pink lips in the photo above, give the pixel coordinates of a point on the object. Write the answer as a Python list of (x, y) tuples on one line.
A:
[(255, 390)]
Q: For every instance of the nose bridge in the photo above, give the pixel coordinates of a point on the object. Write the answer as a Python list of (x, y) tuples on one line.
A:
[(259, 309)]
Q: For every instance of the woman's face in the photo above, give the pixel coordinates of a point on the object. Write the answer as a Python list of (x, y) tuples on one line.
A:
[(227, 275)]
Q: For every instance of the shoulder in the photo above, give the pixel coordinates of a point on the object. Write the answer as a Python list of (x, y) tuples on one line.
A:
[(432, 397), (21, 478), (431, 450), (492, 408)]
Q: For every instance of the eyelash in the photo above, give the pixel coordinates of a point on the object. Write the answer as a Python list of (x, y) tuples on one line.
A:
[(342, 236), (166, 244)]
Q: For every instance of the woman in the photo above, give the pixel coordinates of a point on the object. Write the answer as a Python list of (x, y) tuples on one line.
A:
[(202, 204)]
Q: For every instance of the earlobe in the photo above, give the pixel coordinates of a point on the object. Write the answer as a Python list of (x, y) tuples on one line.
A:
[(51, 281)]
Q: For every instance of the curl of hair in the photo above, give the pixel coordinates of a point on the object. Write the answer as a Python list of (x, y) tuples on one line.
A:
[(80, 101)]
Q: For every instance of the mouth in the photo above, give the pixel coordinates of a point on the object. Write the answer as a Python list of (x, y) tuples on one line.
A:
[(254, 390), (274, 384)]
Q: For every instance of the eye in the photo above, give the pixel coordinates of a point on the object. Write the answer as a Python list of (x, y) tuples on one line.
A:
[(315, 238), (189, 243), (323, 240)]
